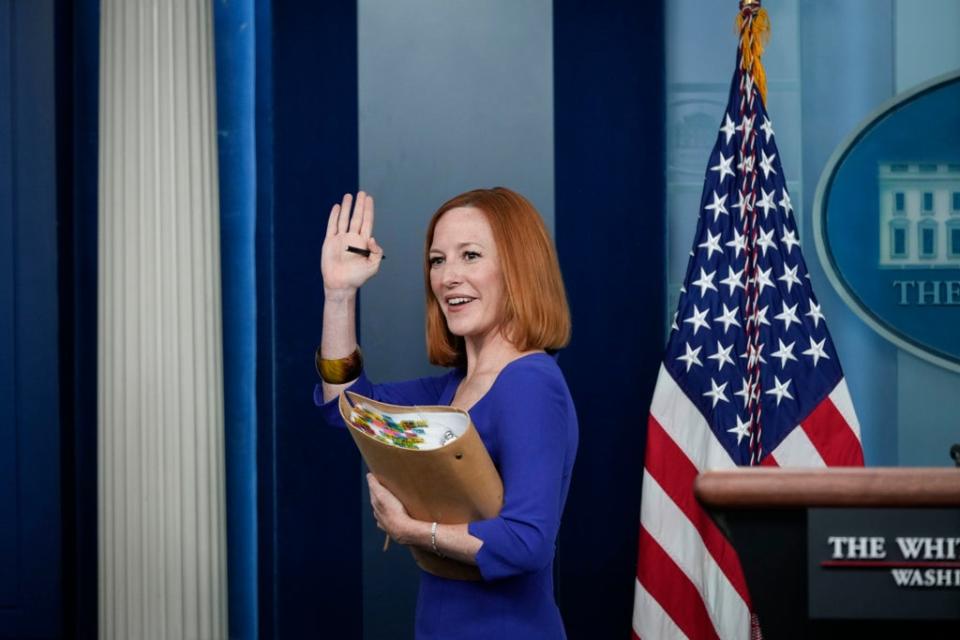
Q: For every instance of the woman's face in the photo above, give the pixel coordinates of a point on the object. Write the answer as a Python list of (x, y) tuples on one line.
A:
[(465, 273)]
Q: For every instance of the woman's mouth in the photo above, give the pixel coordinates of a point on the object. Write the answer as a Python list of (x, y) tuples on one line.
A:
[(457, 302)]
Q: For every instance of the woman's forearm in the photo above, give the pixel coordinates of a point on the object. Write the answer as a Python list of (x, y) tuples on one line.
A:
[(339, 337), (450, 540), (453, 540)]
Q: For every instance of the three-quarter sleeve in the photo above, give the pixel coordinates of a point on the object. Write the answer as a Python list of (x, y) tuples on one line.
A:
[(536, 440), (410, 392)]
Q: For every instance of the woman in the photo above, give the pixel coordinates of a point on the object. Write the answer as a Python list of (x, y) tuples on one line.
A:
[(495, 307)]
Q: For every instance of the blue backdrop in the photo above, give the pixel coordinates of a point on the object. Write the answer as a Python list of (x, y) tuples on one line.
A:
[(609, 90), (30, 437)]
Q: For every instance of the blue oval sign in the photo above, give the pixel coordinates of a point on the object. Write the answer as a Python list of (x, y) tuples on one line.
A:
[(887, 221)]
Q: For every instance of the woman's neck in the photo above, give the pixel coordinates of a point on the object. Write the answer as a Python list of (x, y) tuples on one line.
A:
[(489, 354)]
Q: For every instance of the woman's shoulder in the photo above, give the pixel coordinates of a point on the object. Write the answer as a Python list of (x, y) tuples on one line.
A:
[(533, 372), (537, 363), (532, 389)]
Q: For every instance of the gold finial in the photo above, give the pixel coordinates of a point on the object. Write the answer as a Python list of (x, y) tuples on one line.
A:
[(754, 27)]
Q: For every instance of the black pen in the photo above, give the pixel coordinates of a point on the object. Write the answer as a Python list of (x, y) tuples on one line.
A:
[(363, 252)]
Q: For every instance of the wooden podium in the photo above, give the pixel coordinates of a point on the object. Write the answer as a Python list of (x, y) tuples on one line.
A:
[(821, 549)]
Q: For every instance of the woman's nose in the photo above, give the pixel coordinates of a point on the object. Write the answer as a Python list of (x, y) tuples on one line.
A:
[(451, 275)]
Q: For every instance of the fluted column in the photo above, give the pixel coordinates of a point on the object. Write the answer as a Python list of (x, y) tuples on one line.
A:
[(160, 381)]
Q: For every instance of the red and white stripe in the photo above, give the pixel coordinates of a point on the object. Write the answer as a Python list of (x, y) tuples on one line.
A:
[(828, 437), (689, 581)]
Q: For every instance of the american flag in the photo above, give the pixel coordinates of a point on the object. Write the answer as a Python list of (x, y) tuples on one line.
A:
[(750, 376)]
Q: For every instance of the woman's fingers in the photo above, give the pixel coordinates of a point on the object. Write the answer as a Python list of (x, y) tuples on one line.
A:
[(366, 229), (379, 495), (344, 220), (375, 501), (332, 220), (357, 218), (352, 217)]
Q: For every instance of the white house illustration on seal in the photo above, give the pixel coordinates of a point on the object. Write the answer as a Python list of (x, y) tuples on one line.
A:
[(919, 214)]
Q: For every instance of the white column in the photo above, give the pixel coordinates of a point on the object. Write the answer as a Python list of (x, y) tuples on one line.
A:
[(162, 542)]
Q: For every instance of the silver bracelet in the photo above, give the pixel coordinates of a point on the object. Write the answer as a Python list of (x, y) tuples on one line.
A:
[(433, 539)]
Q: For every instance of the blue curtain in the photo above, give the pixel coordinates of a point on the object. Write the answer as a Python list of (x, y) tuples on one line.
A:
[(275, 66), (234, 26)]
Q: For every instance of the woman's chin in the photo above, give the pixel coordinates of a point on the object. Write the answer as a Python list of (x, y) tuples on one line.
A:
[(472, 332), (459, 331), (459, 325)]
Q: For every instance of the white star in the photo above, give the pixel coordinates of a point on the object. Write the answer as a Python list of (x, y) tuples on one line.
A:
[(723, 166), (789, 276), (739, 243), (691, 357), (785, 352), (789, 238), (712, 244), (763, 279), (788, 315), (766, 163), (716, 393), (766, 202), (727, 318), (767, 129), (761, 317), (785, 203), (697, 319), (742, 430), (751, 355), (765, 241), (733, 280), (717, 207), (705, 282), (742, 200), (815, 314), (673, 325), (745, 165), (779, 390), (744, 392), (746, 125), (722, 356), (727, 129), (816, 351)]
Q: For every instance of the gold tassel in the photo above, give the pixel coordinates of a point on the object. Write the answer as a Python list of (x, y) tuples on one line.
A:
[(754, 28)]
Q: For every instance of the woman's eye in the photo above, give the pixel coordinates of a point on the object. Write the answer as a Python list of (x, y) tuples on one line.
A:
[(471, 255), (435, 260)]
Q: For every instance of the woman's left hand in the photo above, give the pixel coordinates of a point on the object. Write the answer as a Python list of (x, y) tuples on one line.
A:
[(388, 510)]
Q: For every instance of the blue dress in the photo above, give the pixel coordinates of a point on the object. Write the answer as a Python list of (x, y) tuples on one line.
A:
[(528, 424)]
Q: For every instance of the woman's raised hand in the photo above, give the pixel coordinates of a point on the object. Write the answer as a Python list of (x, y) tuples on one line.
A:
[(344, 271)]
